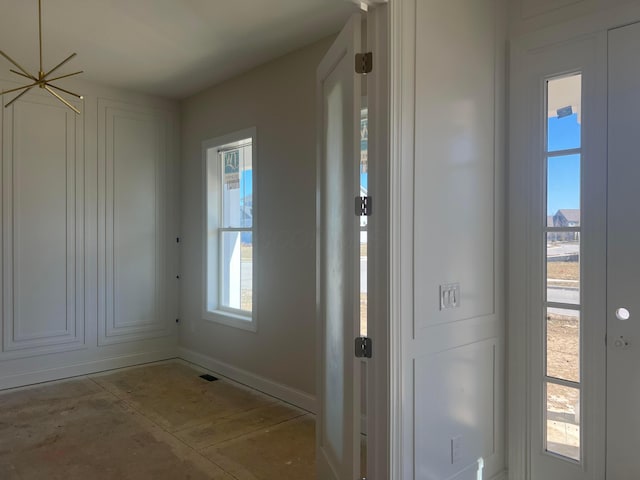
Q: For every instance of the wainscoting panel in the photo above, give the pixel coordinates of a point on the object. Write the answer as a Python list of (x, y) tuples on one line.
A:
[(133, 143), (42, 228), (456, 411)]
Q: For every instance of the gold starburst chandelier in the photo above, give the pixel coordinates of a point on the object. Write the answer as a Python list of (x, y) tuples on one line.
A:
[(43, 79)]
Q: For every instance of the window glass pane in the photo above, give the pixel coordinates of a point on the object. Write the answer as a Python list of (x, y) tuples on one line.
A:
[(564, 113), (363, 282), (563, 421), (237, 270), (237, 186), (563, 344), (364, 157), (563, 191), (364, 186), (563, 267)]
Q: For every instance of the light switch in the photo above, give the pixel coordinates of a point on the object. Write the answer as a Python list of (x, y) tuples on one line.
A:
[(449, 296)]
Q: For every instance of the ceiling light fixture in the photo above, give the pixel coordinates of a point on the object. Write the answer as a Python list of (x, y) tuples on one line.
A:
[(42, 80)]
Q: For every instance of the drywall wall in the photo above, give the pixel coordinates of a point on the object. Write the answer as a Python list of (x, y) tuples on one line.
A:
[(450, 218), (88, 220), (527, 16), (278, 99)]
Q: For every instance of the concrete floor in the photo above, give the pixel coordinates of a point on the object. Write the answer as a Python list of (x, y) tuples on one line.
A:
[(159, 421)]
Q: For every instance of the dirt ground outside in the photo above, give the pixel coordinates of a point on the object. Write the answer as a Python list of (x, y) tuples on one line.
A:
[(563, 362), (563, 274)]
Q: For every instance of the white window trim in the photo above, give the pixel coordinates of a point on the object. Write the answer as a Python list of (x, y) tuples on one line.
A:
[(221, 315)]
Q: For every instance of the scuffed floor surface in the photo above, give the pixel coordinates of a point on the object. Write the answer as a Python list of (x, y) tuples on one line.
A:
[(155, 422)]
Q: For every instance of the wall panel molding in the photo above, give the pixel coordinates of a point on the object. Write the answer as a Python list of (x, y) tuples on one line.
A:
[(463, 383), (133, 146), (43, 253)]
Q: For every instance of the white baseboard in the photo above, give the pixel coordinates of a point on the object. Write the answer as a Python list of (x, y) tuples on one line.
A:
[(290, 395), (87, 368)]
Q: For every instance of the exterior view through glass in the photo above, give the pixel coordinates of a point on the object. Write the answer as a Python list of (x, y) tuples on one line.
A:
[(563, 155)]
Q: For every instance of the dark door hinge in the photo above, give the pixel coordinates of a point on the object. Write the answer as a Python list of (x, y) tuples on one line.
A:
[(364, 347), (364, 63), (363, 206)]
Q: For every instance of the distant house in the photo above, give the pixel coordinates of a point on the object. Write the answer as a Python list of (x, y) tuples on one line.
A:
[(567, 217)]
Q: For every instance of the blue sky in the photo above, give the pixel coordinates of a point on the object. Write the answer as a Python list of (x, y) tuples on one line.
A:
[(563, 188), (246, 184)]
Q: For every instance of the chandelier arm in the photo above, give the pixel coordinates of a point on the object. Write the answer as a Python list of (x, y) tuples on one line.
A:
[(59, 65), (19, 88), (22, 74), (62, 99), (16, 64), (65, 91), (17, 97), (64, 76), (40, 31), (41, 79)]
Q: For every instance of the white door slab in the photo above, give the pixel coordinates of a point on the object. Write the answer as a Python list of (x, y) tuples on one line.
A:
[(623, 268), (338, 391)]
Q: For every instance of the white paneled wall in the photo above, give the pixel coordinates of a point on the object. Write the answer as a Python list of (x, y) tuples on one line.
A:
[(89, 254), (132, 161), (452, 71), (42, 223)]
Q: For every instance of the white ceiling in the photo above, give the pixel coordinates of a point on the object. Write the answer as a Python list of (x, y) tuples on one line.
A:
[(171, 48)]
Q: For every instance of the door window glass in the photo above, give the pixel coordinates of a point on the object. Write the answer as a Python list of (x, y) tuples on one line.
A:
[(562, 345)]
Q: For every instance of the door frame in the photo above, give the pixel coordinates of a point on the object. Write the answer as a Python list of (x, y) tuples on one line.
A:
[(378, 282), (520, 242), (402, 51)]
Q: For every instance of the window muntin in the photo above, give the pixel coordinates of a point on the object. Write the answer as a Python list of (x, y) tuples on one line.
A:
[(230, 229), (562, 229)]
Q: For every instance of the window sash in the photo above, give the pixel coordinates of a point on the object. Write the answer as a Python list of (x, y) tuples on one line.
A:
[(221, 273)]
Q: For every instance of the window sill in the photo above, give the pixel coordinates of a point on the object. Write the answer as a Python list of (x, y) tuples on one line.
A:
[(231, 319)]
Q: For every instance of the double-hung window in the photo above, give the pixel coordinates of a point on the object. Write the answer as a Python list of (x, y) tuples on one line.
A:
[(229, 172)]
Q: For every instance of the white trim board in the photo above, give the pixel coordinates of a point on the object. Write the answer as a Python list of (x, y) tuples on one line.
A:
[(86, 368), (287, 394), (402, 113), (282, 392)]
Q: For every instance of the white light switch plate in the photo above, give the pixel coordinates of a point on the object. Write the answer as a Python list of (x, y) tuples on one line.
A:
[(449, 296)]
